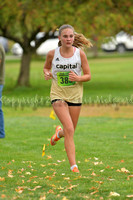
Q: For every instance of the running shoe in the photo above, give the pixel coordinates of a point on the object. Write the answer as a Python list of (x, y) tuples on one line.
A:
[(55, 138), (75, 169)]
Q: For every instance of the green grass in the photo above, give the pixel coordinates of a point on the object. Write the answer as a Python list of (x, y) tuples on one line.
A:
[(102, 143), (111, 77)]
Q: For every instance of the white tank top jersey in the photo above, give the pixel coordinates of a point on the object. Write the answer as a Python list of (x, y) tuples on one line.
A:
[(61, 64), (61, 88)]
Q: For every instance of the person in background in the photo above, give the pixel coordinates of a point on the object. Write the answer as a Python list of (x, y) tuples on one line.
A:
[(67, 62), (2, 74)]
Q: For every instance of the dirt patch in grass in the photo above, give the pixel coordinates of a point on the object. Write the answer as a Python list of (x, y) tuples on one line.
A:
[(86, 111), (108, 111), (98, 111)]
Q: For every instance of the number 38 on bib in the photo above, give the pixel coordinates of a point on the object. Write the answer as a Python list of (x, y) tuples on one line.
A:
[(63, 79)]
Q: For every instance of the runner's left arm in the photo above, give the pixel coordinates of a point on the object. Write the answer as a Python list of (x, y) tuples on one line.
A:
[(86, 70)]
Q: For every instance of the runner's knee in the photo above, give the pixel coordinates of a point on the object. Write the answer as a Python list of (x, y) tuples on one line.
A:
[(69, 130)]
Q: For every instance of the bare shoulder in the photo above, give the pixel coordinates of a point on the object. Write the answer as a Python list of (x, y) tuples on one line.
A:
[(82, 54), (50, 54), (49, 58)]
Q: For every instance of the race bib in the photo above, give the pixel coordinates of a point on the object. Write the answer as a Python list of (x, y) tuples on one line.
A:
[(63, 79)]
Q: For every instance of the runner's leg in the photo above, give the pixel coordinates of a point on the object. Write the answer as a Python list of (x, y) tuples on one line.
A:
[(74, 113), (62, 111)]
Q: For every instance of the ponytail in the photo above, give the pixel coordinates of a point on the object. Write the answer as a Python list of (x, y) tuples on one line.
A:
[(80, 41)]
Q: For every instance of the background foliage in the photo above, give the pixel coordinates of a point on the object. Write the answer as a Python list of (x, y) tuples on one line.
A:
[(21, 20)]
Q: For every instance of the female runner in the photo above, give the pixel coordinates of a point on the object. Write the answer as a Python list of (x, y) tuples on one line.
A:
[(64, 65)]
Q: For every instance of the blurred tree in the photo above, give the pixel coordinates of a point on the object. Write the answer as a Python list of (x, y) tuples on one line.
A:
[(21, 20), (101, 18)]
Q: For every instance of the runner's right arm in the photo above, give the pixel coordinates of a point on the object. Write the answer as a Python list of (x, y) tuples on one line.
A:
[(48, 65)]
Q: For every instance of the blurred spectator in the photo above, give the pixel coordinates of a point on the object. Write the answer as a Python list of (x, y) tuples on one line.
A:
[(2, 73)]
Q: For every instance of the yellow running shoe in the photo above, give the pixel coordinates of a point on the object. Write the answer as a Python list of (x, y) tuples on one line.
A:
[(55, 138), (75, 169)]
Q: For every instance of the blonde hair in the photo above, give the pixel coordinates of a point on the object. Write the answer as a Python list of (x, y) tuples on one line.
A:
[(80, 41)]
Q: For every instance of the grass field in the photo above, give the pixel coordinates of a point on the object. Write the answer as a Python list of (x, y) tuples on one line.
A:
[(103, 138), (103, 151), (111, 78)]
